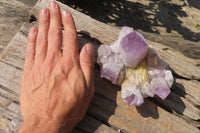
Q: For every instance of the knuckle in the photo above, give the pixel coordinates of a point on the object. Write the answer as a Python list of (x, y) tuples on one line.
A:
[(50, 58), (68, 64), (55, 31), (31, 39), (87, 66), (86, 61), (54, 13), (43, 20), (30, 52), (71, 35), (41, 38)]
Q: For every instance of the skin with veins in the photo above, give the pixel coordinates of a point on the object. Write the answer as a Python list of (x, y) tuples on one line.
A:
[(56, 84), (52, 81), (34, 85)]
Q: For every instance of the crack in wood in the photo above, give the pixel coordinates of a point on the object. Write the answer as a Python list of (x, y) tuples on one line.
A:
[(120, 130), (18, 68), (13, 100), (8, 90), (25, 33), (195, 123), (176, 75)]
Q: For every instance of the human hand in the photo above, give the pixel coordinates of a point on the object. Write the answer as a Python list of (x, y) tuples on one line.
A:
[(57, 87)]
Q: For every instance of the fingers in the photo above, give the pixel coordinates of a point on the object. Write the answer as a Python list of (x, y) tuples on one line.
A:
[(55, 31), (71, 46), (87, 62), (30, 50), (42, 39)]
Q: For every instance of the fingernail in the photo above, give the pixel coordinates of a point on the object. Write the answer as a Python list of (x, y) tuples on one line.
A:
[(90, 49), (53, 5), (44, 12), (32, 31), (65, 13)]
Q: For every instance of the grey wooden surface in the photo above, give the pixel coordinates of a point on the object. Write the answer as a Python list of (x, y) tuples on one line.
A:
[(12, 14), (170, 22), (180, 112)]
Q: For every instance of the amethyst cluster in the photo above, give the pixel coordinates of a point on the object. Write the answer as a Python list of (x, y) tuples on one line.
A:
[(139, 70)]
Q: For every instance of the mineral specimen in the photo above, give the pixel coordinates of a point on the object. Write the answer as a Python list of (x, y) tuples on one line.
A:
[(139, 70)]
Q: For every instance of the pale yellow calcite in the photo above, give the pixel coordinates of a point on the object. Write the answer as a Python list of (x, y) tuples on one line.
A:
[(136, 76)]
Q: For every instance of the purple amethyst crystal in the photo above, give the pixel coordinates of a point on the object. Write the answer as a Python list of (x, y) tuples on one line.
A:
[(160, 86), (138, 69), (132, 96), (111, 64), (155, 61), (133, 49)]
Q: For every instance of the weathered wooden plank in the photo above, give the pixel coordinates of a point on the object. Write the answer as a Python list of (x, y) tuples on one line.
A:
[(91, 125), (164, 22), (147, 110), (181, 65), (15, 55), (181, 106), (3, 124), (10, 77), (190, 88), (142, 119), (15, 120), (10, 95), (13, 14), (4, 102), (188, 48)]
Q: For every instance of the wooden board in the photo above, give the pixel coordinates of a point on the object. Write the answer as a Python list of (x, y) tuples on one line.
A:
[(180, 112), (168, 22), (12, 15)]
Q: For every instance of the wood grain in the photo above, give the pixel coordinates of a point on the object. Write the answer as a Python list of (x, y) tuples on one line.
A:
[(13, 14)]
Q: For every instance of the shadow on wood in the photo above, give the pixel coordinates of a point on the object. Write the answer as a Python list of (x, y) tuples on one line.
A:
[(163, 14), (148, 111)]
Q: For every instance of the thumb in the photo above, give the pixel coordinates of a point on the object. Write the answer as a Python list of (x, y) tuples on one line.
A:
[(87, 63)]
